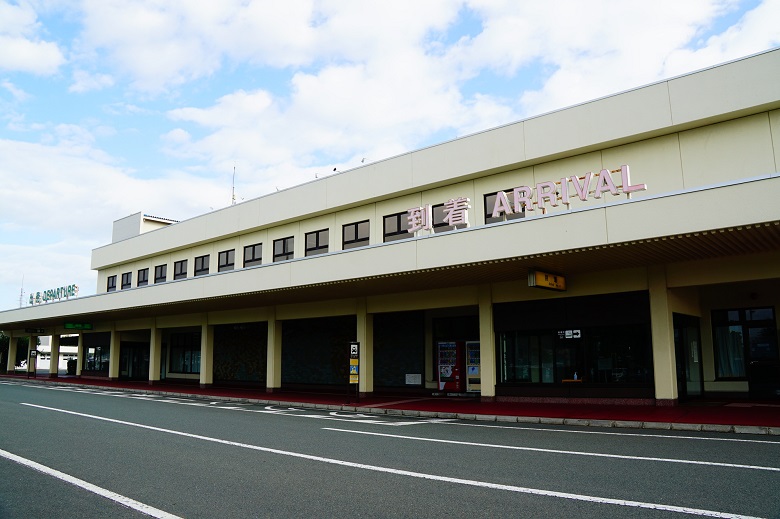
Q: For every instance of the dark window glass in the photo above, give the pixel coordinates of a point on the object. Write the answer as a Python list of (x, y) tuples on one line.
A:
[(201, 265), (439, 224), (395, 227), (185, 353), (743, 336), (180, 269), (253, 254), (227, 260), (490, 202), (283, 249), (160, 273), (355, 235), (143, 278), (127, 280), (111, 284), (317, 242)]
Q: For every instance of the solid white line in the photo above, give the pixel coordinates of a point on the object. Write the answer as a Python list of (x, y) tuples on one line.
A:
[(557, 451), (419, 475), (605, 433), (113, 496)]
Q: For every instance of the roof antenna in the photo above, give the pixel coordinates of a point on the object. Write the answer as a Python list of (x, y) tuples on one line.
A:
[(234, 185), (21, 292)]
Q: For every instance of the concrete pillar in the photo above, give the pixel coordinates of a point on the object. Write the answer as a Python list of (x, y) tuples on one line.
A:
[(365, 336), (487, 344), (206, 355), (155, 354), (54, 363), (113, 356), (11, 363), (273, 377), (80, 354), (662, 330)]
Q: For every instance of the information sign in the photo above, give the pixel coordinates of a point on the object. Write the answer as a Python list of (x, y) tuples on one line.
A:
[(548, 280)]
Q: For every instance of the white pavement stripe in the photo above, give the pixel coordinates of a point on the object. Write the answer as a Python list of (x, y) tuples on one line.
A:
[(557, 451), (605, 433), (113, 496), (421, 475)]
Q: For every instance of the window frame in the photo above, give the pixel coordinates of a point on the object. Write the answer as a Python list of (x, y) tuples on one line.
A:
[(256, 259), (402, 233), (358, 241), (180, 269), (127, 280), (319, 247), (286, 253), (202, 265), (161, 273), (226, 260), (111, 283), (720, 318), (142, 278), (488, 213)]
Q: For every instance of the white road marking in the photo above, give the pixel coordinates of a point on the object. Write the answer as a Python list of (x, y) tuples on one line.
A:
[(606, 433), (113, 496), (557, 451), (419, 475)]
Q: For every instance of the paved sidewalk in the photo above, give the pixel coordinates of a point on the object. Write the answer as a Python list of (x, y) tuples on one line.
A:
[(734, 416)]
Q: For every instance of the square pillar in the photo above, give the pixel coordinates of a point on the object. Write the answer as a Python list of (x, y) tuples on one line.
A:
[(113, 356), (273, 377), (155, 354), (80, 354), (365, 336), (11, 362), (662, 330), (54, 363), (206, 355), (487, 344)]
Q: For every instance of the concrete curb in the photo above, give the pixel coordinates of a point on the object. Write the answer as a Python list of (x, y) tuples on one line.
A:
[(442, 415)]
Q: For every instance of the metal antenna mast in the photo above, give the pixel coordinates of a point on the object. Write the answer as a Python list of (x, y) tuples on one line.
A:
[(234, 186)]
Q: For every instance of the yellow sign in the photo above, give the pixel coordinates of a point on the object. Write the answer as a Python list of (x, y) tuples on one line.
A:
[(353, 362), (539, 279), (354, 379)]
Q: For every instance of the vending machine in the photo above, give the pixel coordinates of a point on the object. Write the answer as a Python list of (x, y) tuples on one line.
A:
[(450, 362), (473, 377)]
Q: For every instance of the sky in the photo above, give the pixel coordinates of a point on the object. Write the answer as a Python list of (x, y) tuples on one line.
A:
[(111, 107)]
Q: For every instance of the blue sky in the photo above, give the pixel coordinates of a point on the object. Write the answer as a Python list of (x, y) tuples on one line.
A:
[(110, 107)]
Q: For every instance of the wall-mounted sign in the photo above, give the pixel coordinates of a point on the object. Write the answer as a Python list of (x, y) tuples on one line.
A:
[(354, 362), (54, 294), (38, 331), (456, 212), (526, 198), (548, 280), (78, 326)]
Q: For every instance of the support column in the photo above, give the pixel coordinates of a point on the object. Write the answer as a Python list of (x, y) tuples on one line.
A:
[(54, 363), (273, 377), (155, 354), (11, 363), (32, 362), (80, 354), (365, 336), (487, 344), (113, 356), (662, 330), (206, 355)]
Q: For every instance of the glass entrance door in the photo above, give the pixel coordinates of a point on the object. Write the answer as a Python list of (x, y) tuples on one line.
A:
[(687, 348), (134, 361)]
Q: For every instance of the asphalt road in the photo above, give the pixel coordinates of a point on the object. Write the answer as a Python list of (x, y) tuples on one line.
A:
[(70, 452)]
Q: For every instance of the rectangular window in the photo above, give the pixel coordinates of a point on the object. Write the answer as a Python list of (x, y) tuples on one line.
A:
[(161, 273), (185, 353), (201, 265), (317, 242), (180, 269), (439, 224), (355, 235), (490, 202), (283, 249), (396, 227), (742, 336), (143, 278), (111, 284), (226, 260), (127, 280), (253, 254)]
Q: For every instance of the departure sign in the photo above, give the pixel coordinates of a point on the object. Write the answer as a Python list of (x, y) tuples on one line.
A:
[(539, 279)]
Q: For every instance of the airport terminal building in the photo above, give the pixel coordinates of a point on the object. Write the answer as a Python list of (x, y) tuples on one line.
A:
[(622, 250)]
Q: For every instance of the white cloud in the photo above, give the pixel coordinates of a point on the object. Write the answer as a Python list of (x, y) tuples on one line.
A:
[(17, 93), (22, 51), (85, 82)]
